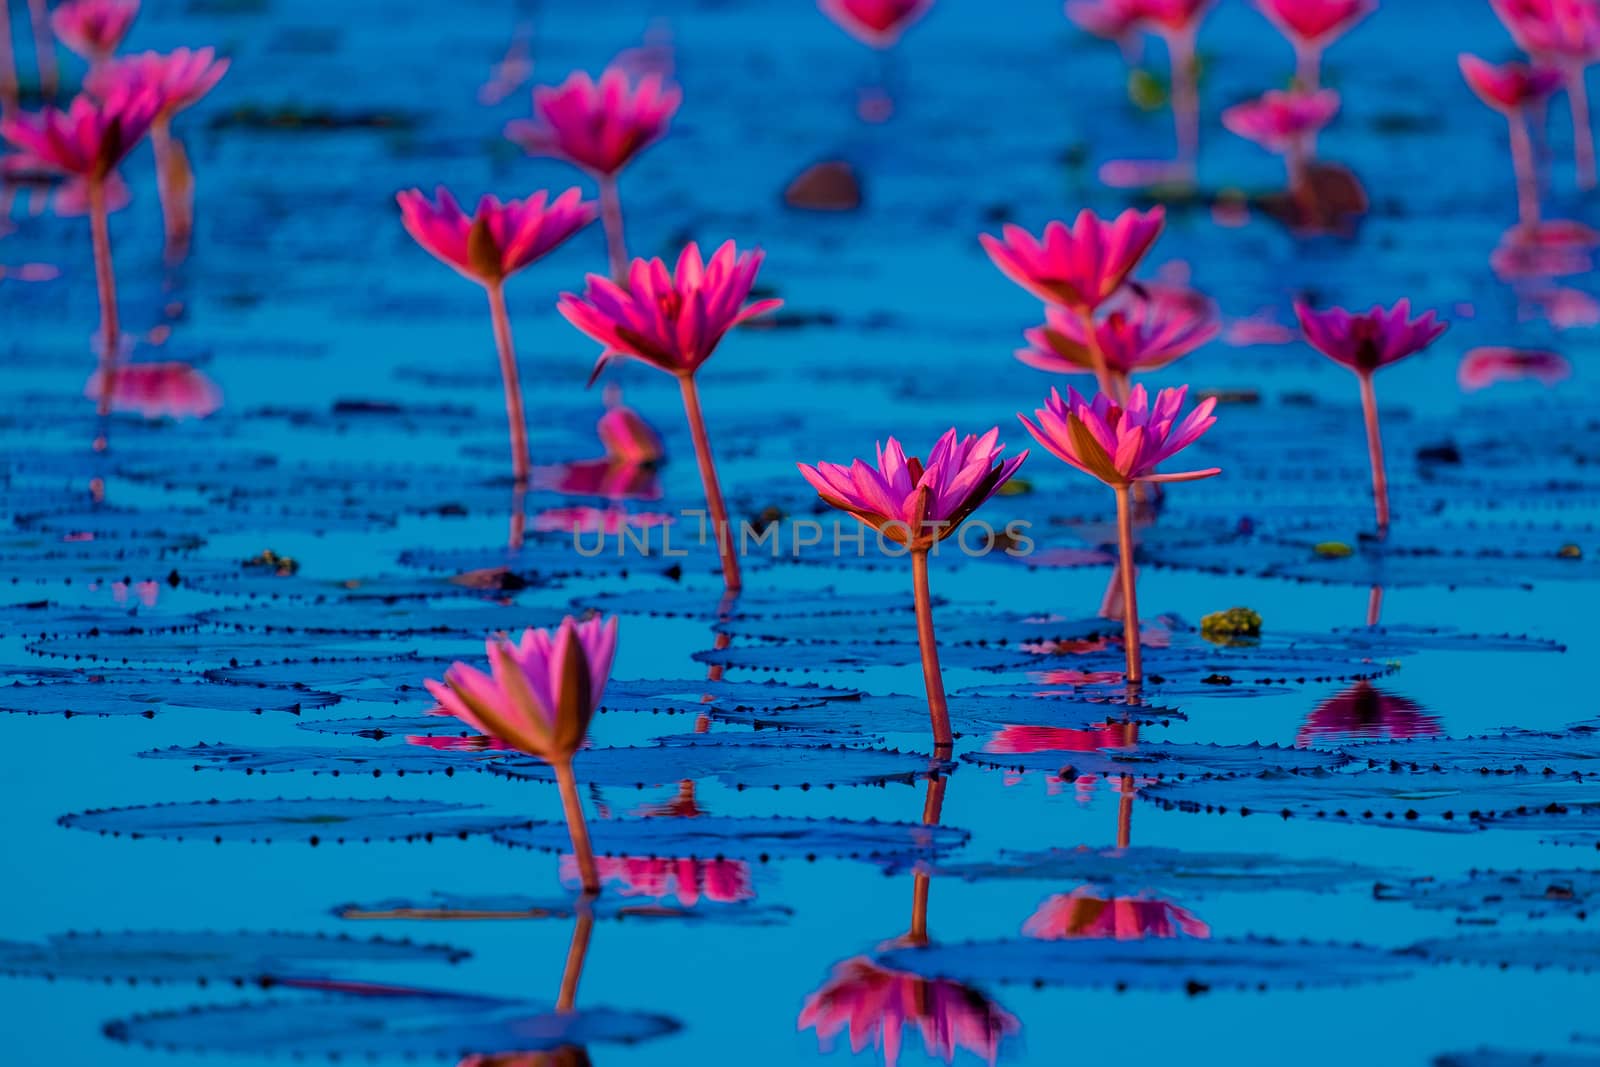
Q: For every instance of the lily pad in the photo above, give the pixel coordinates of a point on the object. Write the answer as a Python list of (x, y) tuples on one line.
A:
[(1129, 870), (968, 714), (858, 656), (1576, 754), (392, 680), (1489, 896), (390, 1023), (335, 820), (687, 696), (1165, 761), (753, 838), (477, 907), (165, 956), (382, 617), (711, 606), (1567, 950), (136, 693), (374, 760), (209, 650)]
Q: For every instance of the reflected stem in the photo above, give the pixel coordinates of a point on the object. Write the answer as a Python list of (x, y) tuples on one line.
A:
[(611, 219), (513, 384), (106, 281), (1380, 479), (171, 181), (1125, 813), (1185, 97), (1582, 134), (572, 806), (519, 516), (1308, 67), (922, 881), (44, 47), (1374, 605), (708, 477), (1130, 602), (932, 676), (577, 952), (1527, 175)]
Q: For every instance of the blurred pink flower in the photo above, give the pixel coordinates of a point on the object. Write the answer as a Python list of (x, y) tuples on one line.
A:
[(598, 126), (877, 23), (912, 504), (686, 880), (627, 438), (1174, 16), (1122, 445), (158, 390), (1508, 86), (1083, 913), (1145, 335), (874, 1005), (1371, 340), (609, 478), (544, 690), (1566, 29), (181, 77), (1080, 267), (94, 28), (71, 198), (1315, 23), (1115, 20), (498, 239), (1278, 121), (672, 321), (1364, 712), (90, 138), (1483, 367)]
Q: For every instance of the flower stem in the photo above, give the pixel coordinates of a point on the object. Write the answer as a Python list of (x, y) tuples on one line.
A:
[(1097, 356), (1374, 605), (173, 185), (1527, 176), (513, 384), (1582, 134), (611, 219), (708, 476), (932, 676), (577, 828), (519, 516), (1125, 812), (577, 951), (106, 281), (8, 62), (44, 46), (1308, 67), (1185, 97), (1130, 601), (1380, 480)]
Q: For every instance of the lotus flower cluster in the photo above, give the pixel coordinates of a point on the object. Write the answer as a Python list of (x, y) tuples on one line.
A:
[(917, 505), (1564, 34), (539, 698), (1513, 89), (1364, 344)]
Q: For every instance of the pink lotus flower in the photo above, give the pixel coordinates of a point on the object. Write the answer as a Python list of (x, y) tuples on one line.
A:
[(1114, 20), (874, 1005), (498, 239), (686, 880), (876, 23), (1483, 367), (158, 390), (1146, 335), (672, 321), (94, 28), (599, 126), (1081, 267), (1508, 86), (1121, 445), (1315, 23), (540, 699), (181, 77), (1280, 121), (90, 138), (918, 506), (1363, 712), (1084, 914), (1567, 29), (1367, 342), (1174, 16)]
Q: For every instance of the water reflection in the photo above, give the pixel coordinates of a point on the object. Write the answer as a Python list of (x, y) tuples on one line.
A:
[(875, 1004), (687, 880), (1084, 913), (1365, 712)]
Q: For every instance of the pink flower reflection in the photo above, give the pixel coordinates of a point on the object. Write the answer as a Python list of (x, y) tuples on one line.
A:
[(1483, 367), (1012, 740), (686, 880), (610, 521), (1083, 913), (1365, 712), (874, 1005), (159, 391), (600, 477)]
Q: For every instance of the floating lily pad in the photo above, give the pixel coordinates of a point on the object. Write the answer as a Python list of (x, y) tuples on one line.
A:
[(440, 1025), (859, 656), (336, 820), (687, 696), (134, 693), (755, 838), (968, 714), (43, 618), (955, 627), (472, 907), (1138, 869), (711, 606), (540, 560), (163, 956), (1576, 753), (1492, 1057), (1567, 950), (1165, 761), (381, 681), (1192, 964), (381, 617), (383, 727), (210, 650), (1440, 639), (374, 760), (1489, 896)]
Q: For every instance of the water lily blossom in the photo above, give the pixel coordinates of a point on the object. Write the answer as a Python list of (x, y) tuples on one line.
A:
[(1079, 267), (600, 126), (917, 505), (875, 23), (1121, 444), (181, 78), (94, 28), (87, 142), (539, 698), (489, 246), (1564, 34), (1511, 88), (674, 320), (1311, 26), (1145, 335), (1364, 344), (1286, 124)]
